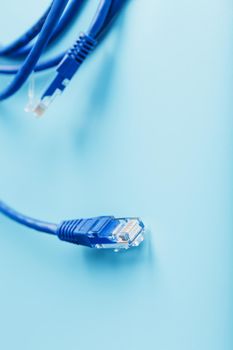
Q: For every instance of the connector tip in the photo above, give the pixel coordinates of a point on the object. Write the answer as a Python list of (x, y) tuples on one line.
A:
[(127, 233), (39, 109)]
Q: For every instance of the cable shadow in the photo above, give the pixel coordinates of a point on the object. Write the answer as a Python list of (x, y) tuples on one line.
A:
[(100, 91), (105, 261)]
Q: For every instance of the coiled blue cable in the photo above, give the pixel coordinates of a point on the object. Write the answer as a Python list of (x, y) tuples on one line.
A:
[(49, 63), (55, 13), (116, 5), (71, 12), (100, 18), (26, 37)]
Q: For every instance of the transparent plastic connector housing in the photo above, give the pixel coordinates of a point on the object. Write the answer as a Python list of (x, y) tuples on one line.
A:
[(54, 90), (41, 107), (32, 99), (65, 71), (128, 233)]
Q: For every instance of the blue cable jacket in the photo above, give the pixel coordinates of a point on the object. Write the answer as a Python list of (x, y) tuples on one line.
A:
[(25, 38), (49, 63), (114, 9), (53, 62), (55, 13), (70, 13), (27, 221), (100, 17)]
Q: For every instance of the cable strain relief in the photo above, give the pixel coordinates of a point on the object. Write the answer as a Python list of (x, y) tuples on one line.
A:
[(66, 229), (82, 47)]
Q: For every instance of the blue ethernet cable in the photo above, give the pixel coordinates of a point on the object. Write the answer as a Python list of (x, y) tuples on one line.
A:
[(55, 13), (53, 62), (102, 232), (72, 10), (20, 48), (75, 57), (117, 5), (68, 65), (26, 37), (46, 64), (25, 220), (100, 18)]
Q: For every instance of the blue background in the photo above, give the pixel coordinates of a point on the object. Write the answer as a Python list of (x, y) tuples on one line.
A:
[(144, 129)]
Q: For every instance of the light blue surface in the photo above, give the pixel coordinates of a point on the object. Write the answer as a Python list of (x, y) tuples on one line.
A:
[(145, 129)]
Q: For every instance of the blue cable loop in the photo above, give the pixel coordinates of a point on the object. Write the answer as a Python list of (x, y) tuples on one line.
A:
[(25, 38), (98, 232), (47, 64), (55, 13), (53, 62), (100, 18), (71, 12)]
